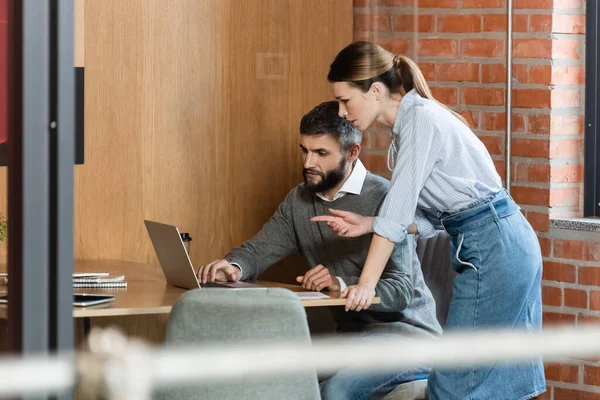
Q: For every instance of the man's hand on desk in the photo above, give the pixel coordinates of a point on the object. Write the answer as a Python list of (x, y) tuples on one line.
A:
[(319, 278), (220, 271)]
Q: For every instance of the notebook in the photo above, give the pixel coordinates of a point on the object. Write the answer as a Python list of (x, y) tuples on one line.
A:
[(121, 284), (99, 282)]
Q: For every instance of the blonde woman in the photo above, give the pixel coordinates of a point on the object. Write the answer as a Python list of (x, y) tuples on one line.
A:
[(443, 177)]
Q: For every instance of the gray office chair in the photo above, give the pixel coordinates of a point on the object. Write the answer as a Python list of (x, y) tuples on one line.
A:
[(434, 255), (229, 316)]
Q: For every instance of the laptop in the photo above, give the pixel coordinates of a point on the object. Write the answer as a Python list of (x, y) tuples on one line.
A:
[(175, 261)]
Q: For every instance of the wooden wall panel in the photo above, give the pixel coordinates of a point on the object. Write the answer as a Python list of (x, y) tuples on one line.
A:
[(192, 113)]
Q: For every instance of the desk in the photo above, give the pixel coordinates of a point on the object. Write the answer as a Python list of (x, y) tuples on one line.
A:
[(148, 293), (143, 307)]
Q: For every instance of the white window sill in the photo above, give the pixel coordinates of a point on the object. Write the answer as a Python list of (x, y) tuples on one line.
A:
[(576, 228)]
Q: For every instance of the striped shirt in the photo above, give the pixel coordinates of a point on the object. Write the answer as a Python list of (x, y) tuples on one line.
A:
[(441, 166)]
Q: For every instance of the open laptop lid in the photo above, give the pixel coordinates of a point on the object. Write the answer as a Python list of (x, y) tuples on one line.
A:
[(171, 253)]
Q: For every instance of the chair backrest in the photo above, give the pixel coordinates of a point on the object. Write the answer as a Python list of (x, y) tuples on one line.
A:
[(434, 254), (222, 317)]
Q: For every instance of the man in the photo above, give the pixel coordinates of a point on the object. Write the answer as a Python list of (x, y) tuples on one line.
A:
[(335, 178)]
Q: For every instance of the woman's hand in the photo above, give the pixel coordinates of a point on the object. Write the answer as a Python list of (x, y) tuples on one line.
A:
[(358, 297), (346, 223)]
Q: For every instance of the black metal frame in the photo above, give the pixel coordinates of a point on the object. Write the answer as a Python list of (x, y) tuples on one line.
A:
[(41, 121), (591, 200)]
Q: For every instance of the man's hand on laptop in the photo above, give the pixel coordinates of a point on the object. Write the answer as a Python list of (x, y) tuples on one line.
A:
[(319, 278), (219, 271)]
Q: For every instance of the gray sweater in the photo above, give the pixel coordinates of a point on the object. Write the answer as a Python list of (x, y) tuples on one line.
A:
[(407, 305)]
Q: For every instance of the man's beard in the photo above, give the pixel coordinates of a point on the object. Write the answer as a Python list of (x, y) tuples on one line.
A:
[(329, 179)]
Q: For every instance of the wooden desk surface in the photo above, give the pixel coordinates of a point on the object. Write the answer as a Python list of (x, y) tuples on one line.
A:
[(148, 293)]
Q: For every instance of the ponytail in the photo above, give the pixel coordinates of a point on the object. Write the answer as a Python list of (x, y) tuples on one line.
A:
[(411, 78)]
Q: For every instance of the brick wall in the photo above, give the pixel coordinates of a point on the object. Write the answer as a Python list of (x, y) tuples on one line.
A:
[(461, 47)]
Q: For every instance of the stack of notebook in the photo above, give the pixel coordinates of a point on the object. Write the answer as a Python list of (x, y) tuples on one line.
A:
[(98, 280), (89, 280)]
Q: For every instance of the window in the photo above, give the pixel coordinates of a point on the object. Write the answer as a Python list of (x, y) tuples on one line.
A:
[(591, 200)]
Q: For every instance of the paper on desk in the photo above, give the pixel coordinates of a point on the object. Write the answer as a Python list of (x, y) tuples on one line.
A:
[(311, 295), (89, 274)]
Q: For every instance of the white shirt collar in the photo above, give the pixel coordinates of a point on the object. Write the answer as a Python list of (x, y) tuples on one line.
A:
[(353, 184)]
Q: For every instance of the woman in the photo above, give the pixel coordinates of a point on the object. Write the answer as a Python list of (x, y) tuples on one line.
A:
[(443, 177)]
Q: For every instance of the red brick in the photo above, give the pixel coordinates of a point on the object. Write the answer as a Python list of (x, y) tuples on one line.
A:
[(587, 319), (575, 298), (545, 246), (366, 3), (518, 122), (438, 47), (483, 96), (540, 74), (550, 318), (572, 394), (539, 173), (562, 372), (559, 272), (472, 118), (459, 23), (414, 23), (566, 49), (374, 162), (531, 195), (591, 375), (571, 249), (379, 22), (497, 23), (496, 121), (493, 73), (368, 36), (542, 4), (539, 124), (500, 168), (458, 72), (520, 172), (437, 3), (530, 148), (595, 300), (520, 72), (394, 45), (532, 48), (567, 124), (428, 70), (482, 3), (399, 3), (380, 140), (540, 23), (591, 251), (565, 98), (564, 197), (445, 95), (552, 296), (366, 141), (547, 395), (483, 47), (568, 75), (566, 173), (565, 148), (573, 24), (494, 144), (568, 4), (538, 221), (531, 98)]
